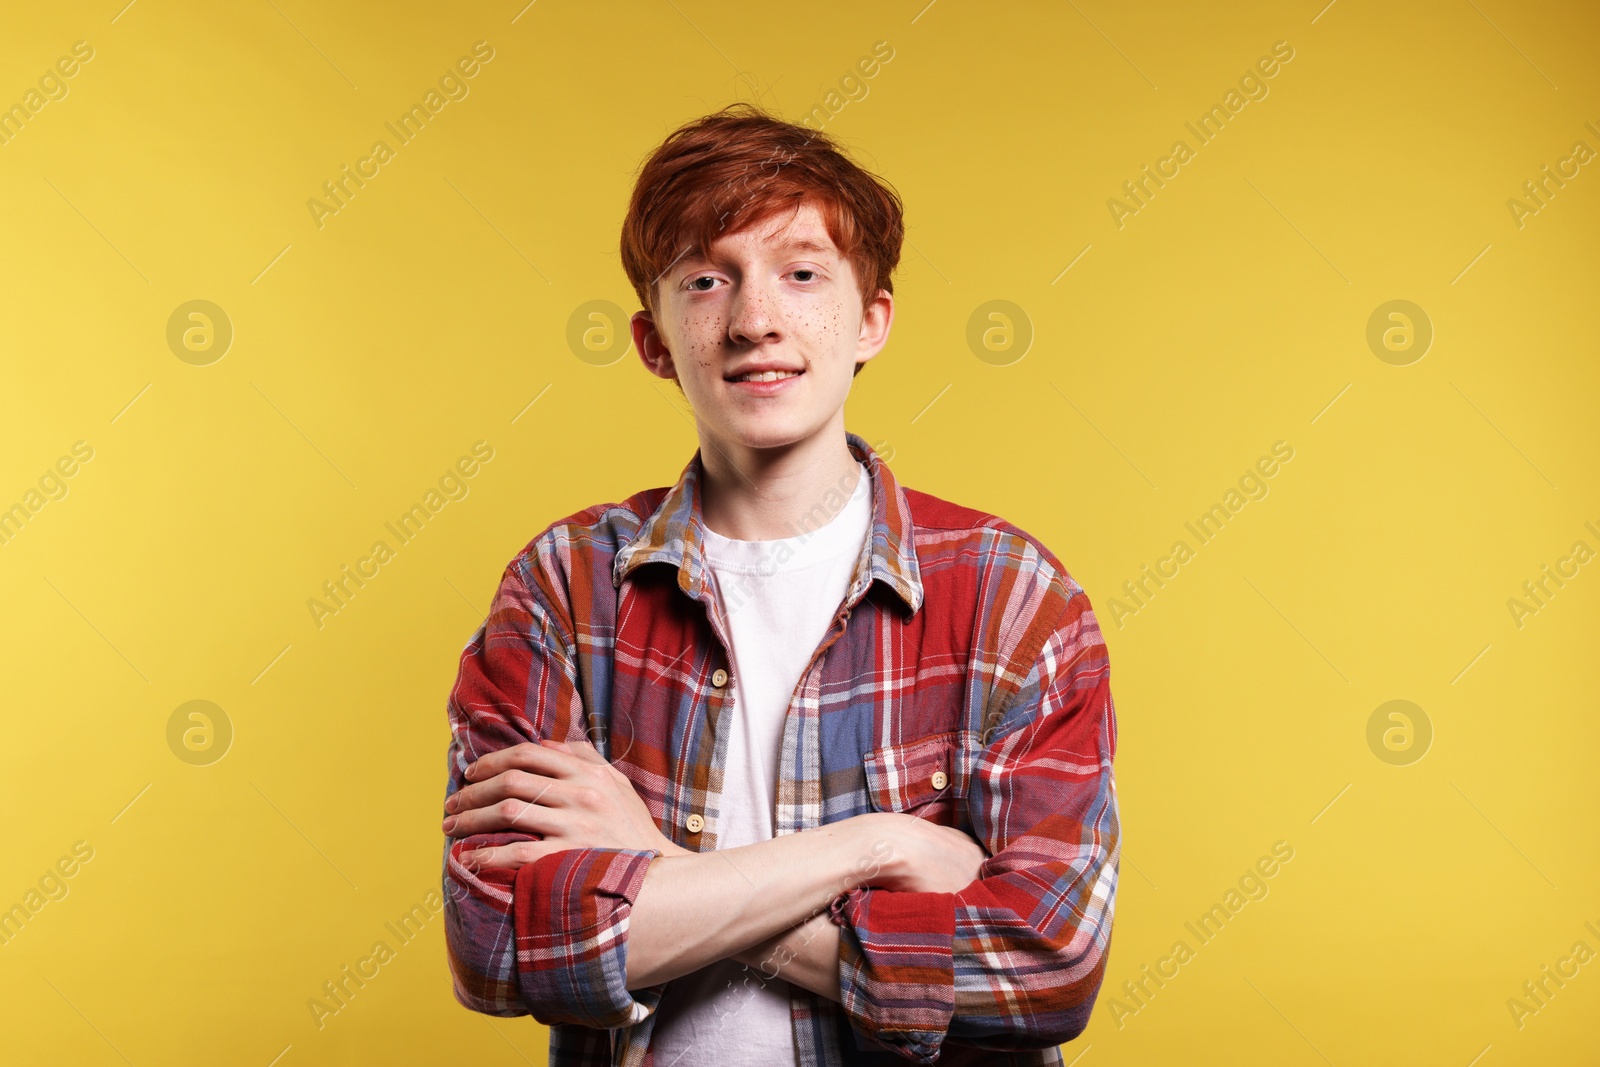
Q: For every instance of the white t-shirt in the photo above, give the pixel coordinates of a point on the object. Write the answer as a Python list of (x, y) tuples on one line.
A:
[(780, 597)]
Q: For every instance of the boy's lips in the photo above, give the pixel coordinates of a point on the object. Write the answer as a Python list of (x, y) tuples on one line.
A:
[(762, 368), (771, 388)]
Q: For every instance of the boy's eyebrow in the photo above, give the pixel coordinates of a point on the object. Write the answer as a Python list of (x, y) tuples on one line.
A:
[(806, 244), (800, 244), (691, 258)]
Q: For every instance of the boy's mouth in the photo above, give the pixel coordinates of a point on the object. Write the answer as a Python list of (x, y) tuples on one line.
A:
[(765, 376)]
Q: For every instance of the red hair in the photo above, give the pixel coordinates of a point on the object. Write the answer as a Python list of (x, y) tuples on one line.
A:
[(737, 167)]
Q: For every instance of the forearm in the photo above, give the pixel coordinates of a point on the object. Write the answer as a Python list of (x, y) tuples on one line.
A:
[(806, 955), (694, 908)]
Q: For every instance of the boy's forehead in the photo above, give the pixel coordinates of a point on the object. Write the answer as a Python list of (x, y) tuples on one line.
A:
[(801, 231)]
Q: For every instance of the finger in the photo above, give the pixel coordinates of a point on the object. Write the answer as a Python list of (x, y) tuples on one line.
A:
[(584, 749), (492, 763), (508, 856), (516, 815), (517, 784), (527, 756)]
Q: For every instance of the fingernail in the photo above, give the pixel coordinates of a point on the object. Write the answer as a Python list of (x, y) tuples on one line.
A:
[(450, 824)]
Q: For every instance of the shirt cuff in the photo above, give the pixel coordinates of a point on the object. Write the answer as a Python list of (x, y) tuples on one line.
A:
[(896, 972), (572, 910)]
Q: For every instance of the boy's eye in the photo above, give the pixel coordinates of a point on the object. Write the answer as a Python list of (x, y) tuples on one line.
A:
[(804, 270), (695, 283)]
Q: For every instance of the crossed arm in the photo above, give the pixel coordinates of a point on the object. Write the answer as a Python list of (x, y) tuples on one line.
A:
[(584, 925), (770, 899)]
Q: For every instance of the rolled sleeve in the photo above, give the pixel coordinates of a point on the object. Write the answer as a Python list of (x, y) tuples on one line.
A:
[(548, 938), (897, 969), (572, 911), (1015, 960)]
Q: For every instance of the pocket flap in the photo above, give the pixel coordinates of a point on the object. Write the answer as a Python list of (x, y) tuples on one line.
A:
[(903, 777)]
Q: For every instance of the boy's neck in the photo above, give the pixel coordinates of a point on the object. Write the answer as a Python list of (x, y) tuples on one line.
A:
[(767, 494)]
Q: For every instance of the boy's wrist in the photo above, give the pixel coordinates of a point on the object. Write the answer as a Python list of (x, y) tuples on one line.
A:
[(863, 853), (871, 855), (669, 847)]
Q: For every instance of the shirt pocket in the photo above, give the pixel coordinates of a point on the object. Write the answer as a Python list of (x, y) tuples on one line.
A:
[(927, 778)]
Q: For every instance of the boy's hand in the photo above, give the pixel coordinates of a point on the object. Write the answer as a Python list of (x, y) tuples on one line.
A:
[(927, 857), (565, 792)]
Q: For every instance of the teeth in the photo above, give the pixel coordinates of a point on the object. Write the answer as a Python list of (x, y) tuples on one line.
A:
[(766, 376)]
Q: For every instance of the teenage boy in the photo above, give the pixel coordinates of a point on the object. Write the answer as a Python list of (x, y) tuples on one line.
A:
[(784, 763)]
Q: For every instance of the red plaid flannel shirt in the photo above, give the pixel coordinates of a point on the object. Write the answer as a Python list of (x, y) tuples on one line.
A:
[(962, 646)]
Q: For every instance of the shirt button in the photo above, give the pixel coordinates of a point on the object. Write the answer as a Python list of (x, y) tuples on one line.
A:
[(719, 677), (940, 780), (694, 823)]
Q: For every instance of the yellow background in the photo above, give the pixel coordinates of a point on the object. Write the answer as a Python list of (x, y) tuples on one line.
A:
[(1229, 313)]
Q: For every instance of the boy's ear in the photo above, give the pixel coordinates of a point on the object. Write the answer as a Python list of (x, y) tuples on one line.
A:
[(876, 318), (651, 346)]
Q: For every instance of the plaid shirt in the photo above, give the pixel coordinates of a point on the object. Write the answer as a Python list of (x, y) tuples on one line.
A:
[(962, 646)]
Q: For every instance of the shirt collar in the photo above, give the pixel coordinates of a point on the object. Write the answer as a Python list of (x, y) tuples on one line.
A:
[(675, 533)]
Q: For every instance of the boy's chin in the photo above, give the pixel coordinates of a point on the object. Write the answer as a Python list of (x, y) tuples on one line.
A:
[(775, 433)]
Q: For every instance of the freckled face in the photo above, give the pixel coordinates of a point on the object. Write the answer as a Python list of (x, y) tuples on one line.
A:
[(779, 293)]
